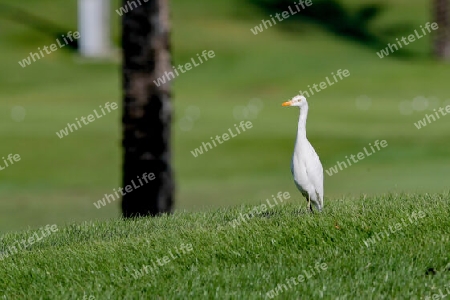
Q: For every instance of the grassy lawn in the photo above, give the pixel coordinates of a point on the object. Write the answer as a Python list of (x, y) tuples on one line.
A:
[(387, 247), (384, 232), (57, 180)]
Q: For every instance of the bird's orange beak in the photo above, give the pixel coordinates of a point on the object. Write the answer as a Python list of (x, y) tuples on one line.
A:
[(288, 103)]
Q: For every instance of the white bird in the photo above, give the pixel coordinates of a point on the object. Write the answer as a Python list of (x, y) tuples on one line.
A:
[(306, 166)]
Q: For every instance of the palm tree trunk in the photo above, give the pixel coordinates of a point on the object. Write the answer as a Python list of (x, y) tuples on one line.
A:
[(442, 18), (147, 110)]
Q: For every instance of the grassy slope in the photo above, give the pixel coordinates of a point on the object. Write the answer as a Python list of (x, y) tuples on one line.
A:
[(244, 262), (272, 66), (57, 181)]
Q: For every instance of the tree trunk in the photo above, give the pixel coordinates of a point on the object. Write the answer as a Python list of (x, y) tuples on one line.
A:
[(442, 39), (147, 110)]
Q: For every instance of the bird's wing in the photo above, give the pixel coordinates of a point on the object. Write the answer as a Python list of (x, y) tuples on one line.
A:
[(315, 170)]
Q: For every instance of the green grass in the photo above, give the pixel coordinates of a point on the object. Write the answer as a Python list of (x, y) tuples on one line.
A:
[(58, 180), (245, 262)]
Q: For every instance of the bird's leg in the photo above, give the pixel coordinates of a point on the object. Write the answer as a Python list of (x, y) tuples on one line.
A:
[(309, 203)]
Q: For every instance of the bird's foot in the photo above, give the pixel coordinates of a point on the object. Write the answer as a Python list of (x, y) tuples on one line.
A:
[(309, 206)]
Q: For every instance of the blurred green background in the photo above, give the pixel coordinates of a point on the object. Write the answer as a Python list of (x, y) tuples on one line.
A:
[(57, 180)]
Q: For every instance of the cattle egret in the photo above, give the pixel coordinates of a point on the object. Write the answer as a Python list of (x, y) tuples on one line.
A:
[(305, 166)]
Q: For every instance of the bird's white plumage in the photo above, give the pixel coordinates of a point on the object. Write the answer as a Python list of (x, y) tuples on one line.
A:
[(306, 167)]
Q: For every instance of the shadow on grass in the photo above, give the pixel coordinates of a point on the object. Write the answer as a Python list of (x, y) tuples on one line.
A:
[(334, 17), (299, 211), (40, 24)]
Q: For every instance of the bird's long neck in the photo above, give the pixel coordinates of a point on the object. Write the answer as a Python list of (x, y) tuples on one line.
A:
[(301, 132)]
